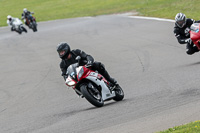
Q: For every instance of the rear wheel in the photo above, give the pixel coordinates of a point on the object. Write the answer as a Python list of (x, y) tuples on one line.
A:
[(94, 97), (34, 27), (24, 29), (119, 93)]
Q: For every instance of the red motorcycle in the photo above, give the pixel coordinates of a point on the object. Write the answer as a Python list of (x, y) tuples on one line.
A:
[(92, 85), (195, 34)]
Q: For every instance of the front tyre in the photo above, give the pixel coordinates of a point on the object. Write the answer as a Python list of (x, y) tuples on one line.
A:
[(19, 32), (93, 97), (119, 93)]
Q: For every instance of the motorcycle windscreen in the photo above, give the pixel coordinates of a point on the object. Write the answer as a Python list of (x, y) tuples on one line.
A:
[(195, 34), (71, 71)]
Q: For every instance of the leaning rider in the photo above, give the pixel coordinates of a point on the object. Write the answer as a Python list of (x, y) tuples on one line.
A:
[(10, 21), (69, 57), (181, 31), (26, 15)]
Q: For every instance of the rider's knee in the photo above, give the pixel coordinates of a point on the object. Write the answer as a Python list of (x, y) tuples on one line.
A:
[(190, 52), (99, 66)]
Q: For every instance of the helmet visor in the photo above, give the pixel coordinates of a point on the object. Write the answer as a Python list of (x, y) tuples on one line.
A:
[(181, 23), (62, 53)]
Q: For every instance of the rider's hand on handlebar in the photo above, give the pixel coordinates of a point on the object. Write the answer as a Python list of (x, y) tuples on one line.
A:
[(189, 41), (89, 64)]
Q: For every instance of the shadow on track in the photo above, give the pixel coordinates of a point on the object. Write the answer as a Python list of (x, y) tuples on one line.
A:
[(111, 103), (74, 112), (191, 64)]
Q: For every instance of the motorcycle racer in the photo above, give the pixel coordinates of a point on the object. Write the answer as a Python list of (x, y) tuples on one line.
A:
[(181, 31), (10, 21), (26, 15), (68, 57)]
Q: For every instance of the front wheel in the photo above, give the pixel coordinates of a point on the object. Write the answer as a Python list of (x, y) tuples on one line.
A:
[(19, 31), (119, 93), (92, 96)]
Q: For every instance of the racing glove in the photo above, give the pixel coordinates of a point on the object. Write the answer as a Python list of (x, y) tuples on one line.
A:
[(189, 41), (89, 63)]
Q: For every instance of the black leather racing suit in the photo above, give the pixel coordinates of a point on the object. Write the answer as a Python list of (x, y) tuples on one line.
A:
[(182, 35), (85, 58), (28, 16)]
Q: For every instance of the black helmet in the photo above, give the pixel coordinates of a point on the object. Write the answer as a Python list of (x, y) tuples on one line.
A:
[(63, 50), (180, 20)]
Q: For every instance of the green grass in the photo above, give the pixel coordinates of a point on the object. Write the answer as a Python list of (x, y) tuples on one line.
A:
[(193, 127), (60, 9)]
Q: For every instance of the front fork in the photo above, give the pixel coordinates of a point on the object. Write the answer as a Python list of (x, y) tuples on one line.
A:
[(88, 86)]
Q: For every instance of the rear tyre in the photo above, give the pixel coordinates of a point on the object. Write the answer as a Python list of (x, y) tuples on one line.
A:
[(119, 93), (24, 29), (34, 27), (93, 97)]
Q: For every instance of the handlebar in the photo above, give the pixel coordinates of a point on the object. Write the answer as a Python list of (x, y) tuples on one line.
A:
[(78, 58)]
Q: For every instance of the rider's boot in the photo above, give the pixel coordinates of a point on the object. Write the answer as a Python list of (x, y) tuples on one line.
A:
[(111, 81), (195, 49), (191, 49)]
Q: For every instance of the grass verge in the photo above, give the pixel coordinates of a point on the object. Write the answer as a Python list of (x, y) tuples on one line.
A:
[(193, 127), (60, 9)]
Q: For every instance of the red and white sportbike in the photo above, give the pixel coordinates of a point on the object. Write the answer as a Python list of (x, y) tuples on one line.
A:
[(195, 34), (92, 85)]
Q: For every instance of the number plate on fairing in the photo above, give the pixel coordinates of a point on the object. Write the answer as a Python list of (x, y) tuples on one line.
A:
[(93, 74)]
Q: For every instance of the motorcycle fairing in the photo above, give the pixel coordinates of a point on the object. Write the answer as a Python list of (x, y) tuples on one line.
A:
[(106, 93), (195, 34), (74, 77)]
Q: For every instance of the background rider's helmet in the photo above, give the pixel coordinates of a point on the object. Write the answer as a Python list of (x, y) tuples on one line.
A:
[(25, 10), (9, 17), (63, 50), (180, 20)]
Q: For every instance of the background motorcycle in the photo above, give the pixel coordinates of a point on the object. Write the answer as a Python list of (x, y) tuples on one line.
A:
[(18, 26), (92, 85), (195, 34), (30, 20)]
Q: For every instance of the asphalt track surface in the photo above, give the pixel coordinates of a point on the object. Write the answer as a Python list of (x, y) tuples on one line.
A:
[(160, 81)]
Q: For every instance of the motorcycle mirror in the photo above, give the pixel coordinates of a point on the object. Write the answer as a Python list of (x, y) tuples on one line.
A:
[(78, 58)]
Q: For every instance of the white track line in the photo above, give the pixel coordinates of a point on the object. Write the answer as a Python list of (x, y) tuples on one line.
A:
[(152, 18), (134, 15)]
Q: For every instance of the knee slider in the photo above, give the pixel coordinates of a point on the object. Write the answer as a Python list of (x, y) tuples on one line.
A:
[(190, 52)]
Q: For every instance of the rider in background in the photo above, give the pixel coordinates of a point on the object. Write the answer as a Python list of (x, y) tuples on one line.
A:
[(181, 31), (26, 15), (10, 21), (68, 57)]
